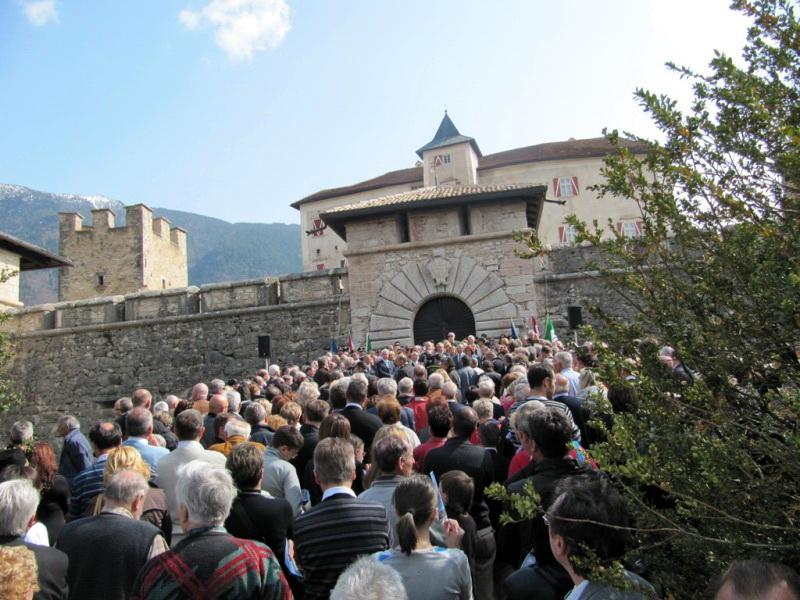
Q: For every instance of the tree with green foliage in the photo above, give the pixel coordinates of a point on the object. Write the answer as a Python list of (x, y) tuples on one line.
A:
[(709, 469)]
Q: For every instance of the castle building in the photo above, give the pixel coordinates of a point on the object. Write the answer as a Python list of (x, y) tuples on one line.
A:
[(17, 255), (566, 169), (146, 254), (431, 249)]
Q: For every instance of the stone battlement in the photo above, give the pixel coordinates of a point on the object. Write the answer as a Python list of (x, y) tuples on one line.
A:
[(137, 217), (145, 254), (111, 311)]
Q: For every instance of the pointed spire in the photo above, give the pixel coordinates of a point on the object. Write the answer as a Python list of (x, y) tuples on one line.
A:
[(447, 135)]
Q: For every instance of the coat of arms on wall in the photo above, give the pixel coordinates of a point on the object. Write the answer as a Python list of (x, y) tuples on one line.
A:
[(439, 268)]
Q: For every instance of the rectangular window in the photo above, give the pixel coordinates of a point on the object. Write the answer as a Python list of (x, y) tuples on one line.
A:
[(565, 187), (318, 230), (441, 159), (567, 234), (101, 279), (321, 267), (630, 229)]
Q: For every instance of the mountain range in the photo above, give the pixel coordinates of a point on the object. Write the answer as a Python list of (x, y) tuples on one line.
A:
[(218, 250)]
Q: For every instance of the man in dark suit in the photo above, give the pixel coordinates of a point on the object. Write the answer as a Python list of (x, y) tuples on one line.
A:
[(458, 454), (362, 423), (384, 367), (330, 536), (313, 415), (18, 502)]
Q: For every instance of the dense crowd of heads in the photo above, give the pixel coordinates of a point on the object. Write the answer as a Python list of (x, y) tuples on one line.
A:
[(406, 439)]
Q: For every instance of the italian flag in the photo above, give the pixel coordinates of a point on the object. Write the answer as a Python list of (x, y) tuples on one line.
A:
[(549, 330)]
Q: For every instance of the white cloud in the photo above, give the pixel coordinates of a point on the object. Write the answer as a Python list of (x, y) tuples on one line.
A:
[(243, 27), (40, 12)]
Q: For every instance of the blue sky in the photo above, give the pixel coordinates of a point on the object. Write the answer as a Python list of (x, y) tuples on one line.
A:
[(236, 108)]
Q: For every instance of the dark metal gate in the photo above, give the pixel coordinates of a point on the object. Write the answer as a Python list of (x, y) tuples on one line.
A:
[(440, 315)]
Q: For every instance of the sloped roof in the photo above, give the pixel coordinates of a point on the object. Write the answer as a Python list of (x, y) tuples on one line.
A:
[(436, 197), (447, 135), (412, 175), (586, 148), (31, 257)]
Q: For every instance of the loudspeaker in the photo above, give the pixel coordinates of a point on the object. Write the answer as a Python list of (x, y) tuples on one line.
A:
[(574, 316), (263, 346)]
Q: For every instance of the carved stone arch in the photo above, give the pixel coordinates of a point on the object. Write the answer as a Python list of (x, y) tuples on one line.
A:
[(464, 278)]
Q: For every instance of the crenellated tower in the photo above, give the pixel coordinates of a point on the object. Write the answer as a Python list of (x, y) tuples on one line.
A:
[(145, 254)]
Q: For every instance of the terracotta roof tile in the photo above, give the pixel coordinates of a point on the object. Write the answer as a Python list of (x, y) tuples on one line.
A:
[(427, 194)]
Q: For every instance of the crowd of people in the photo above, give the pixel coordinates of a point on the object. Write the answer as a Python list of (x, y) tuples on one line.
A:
[(360, 475)]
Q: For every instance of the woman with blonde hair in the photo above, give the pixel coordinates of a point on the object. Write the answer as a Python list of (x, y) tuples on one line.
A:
[(18, 573), (155, 508)]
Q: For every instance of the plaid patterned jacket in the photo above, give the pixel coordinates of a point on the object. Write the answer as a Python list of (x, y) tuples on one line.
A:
[(212, 564)]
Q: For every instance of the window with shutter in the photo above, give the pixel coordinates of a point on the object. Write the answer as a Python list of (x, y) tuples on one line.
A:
[(321, 267), (567, 234), (565, 187), (318, 231), (630, 229)]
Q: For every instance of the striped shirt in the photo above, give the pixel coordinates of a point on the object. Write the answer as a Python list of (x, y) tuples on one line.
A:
[(85, 487), (332, 535)]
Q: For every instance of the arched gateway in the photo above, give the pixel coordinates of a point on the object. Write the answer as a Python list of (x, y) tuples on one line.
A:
[(440, 315), (427, 298)]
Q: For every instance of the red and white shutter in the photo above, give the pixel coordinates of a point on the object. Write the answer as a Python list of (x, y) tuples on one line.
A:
[(321, 267), (562, 234), (556, 187), (639, 229), (619, 227), (318, 231), (574, 186)]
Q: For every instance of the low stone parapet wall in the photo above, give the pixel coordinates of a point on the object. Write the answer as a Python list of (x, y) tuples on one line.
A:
[(192, 300)]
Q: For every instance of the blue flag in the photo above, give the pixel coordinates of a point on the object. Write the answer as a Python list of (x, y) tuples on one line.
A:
[(514, 335), (334, 345)]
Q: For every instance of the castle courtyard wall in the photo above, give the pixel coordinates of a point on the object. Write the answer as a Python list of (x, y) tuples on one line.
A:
[(79, 357)]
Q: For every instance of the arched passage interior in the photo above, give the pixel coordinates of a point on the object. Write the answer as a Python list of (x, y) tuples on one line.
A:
[(440, 315)]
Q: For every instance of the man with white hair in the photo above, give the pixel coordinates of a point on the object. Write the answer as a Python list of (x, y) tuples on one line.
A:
[(368, 579), (236, 432), (562, 364), (18, 502), (21, 433), (307, 392), (435, 383), (76, 454), (209, 561), (486, 390), (234, 399), (107, 551), (198, 399)]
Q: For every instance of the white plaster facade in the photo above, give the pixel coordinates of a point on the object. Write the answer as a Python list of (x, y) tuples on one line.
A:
[(9, 270), (577, 161)]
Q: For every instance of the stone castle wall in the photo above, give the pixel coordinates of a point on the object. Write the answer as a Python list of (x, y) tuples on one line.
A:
[(145, 254), (79, 357)]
